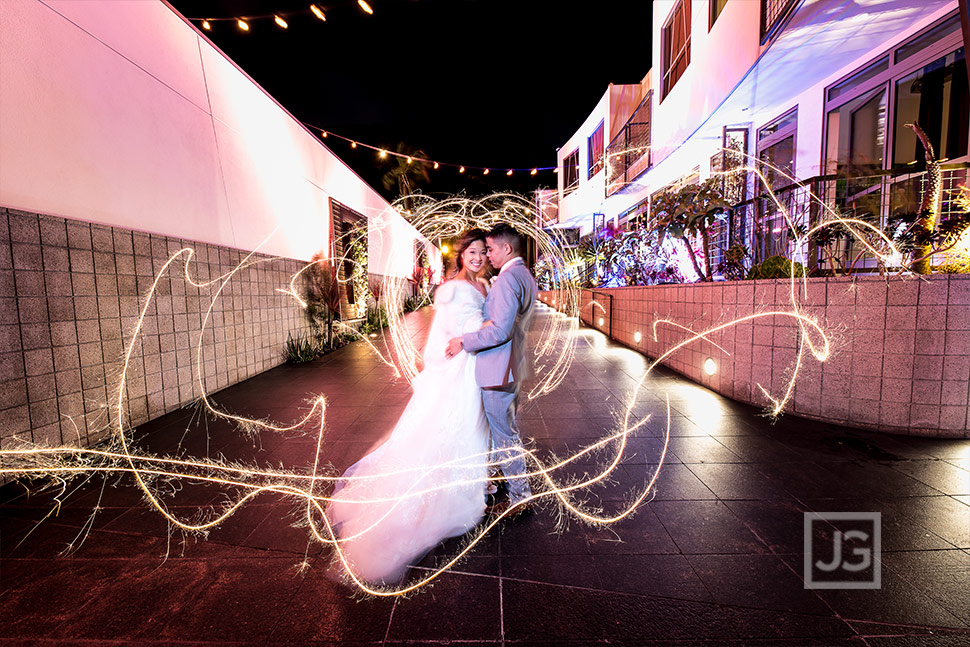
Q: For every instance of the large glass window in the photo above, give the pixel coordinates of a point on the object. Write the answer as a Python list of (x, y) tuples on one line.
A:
[(776, 157), (934, 96), (676, 45), (570, 169), (594, 146), (716, 7), (857, 133)]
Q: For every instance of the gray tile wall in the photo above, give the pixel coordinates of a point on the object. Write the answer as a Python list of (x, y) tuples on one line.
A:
[(900, 359), (71, 294)]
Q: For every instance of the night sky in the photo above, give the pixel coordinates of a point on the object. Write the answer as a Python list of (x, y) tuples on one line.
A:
[(490, 83)]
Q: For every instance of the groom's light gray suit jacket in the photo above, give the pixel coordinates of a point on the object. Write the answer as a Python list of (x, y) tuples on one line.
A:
[(501, 346)]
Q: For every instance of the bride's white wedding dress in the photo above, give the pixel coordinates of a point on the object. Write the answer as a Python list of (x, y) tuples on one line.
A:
[(427, 481)]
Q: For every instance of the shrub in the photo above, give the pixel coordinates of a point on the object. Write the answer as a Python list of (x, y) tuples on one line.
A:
[(300, 350), (776, 267)]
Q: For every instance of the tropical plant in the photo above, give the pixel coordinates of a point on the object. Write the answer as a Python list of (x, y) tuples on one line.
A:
[(300, 350), (375, 320), (408, 171), (691, 212), (733, 266), (322, 297)]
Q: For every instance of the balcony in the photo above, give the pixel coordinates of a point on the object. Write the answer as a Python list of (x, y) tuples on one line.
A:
[(628, 155)]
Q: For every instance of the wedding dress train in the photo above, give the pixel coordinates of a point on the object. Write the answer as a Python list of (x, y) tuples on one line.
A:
[(426, 482)]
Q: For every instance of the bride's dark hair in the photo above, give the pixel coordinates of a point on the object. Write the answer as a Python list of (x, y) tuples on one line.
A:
[(468, 237)]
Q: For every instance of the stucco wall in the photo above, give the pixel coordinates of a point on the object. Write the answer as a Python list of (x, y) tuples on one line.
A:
[(119, 112), (900, 358)]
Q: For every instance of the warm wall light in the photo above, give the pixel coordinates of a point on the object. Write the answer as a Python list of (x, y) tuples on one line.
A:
[(710, 366), (366, 7), (318, 12), (601, 321), (279, 21), (444, 249), (206, 26), (242, 24), (637, 336)]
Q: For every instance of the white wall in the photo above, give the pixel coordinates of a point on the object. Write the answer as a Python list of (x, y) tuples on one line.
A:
[(120, 112)]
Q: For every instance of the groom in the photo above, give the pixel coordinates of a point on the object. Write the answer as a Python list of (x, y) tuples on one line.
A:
[(501, 355)]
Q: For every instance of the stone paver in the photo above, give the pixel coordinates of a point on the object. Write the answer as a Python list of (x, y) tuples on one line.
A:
[(714, 558)]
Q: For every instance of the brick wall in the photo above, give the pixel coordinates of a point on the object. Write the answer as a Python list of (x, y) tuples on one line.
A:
[(900, 348), (70, 296)]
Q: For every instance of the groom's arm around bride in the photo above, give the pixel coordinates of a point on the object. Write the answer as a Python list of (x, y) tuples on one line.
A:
[(500, 349)]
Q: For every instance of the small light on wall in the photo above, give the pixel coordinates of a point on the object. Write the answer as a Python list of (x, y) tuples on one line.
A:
[(710, 366), (637, 336), (601, 321), (444, 249), (553, 302)]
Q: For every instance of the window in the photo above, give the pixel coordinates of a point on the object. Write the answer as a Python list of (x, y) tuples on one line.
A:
[(716, 7), (594, 148), (936, 97), (636, 216), (570, 169), (676, 45), (776, 159), (773, 12)]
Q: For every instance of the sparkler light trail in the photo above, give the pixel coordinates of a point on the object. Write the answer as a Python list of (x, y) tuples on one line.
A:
[(554, 351)]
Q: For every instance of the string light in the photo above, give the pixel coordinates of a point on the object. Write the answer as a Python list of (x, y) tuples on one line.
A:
[(323, 133), (436, 166), (509, 172), (318, 12), (461, 170), (279, 21), (353, 144), (366, 7), (383, 154), (206, 26), (410, 160), (242, 24), (486, 172), (533, 171)]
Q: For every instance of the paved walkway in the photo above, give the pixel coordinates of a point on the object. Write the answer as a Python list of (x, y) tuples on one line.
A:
[(716, 558)]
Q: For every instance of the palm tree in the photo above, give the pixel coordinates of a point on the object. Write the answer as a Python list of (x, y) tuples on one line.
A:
[(408, 171)]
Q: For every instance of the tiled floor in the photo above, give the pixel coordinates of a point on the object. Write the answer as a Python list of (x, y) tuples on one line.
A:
[(715, 558)]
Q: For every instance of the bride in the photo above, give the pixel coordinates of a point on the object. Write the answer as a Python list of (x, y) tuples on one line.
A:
[(427, 481)]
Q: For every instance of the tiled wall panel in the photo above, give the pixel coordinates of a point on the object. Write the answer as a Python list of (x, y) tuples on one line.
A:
[(900, 359), (71, 297)]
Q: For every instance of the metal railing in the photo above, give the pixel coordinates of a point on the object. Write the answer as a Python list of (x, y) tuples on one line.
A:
[(761, 225), (628, 155)]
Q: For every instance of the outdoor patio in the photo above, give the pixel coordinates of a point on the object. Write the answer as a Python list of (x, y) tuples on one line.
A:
[(715, 558)]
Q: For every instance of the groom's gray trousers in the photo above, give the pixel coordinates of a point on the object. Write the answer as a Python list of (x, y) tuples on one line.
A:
[(500, 404)]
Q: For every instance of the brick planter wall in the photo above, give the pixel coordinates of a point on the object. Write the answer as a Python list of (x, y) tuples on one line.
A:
[(70, 294), (900, 348)]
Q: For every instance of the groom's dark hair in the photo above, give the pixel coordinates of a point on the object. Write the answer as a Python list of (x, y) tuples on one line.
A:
[(506, 233)]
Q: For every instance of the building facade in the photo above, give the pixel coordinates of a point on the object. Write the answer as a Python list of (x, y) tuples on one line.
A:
[(813, 95)]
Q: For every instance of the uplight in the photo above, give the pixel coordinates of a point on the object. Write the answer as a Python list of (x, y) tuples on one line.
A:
[(710, 366)]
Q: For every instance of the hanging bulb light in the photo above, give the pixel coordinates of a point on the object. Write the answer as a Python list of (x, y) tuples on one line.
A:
[(486, 172), (533, 171), (242, 24), (206, 26), (436, 166), (279, 21), (366, 7), (382, 154), (318, 12), (323, 133), (509, 172), (461, 170), (353, 144), (409, 159)]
